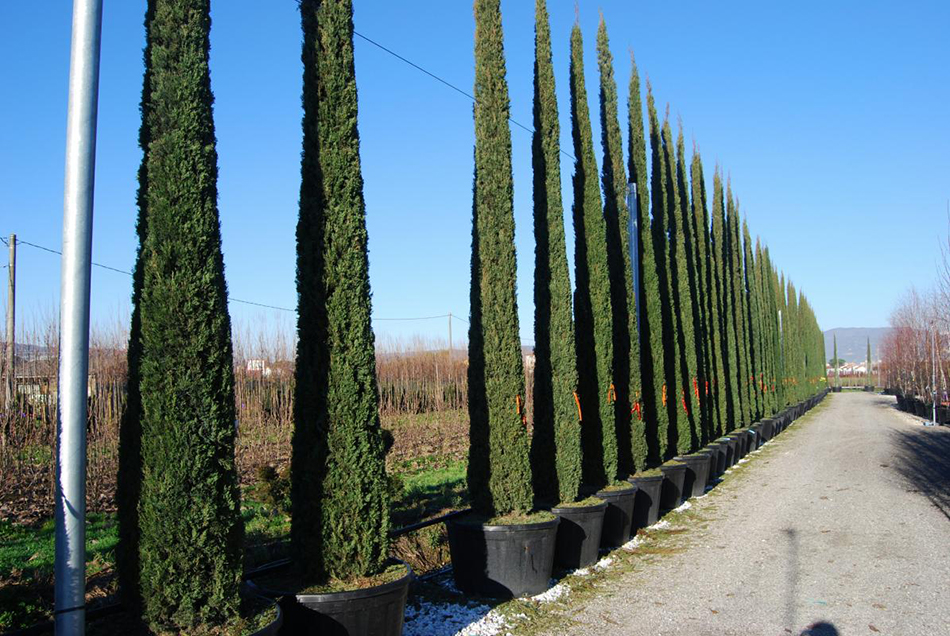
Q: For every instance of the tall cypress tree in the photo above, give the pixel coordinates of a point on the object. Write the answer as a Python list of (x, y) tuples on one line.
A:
[(129, 477), (752, 327), (712, 332), (499, 474), (189, 525), (736, 289), (695, 261), (726, 385), (617, 216), (337, 463), (667, 396), (684, 287), (593, 313), (648, 417), (556, 442), (681, 307)]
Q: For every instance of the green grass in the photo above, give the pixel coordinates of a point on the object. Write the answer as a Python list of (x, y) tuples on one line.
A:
[(428, 491), (28, 552)]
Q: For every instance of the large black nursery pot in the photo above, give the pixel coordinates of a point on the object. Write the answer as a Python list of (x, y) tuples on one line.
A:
[(715, 459), (618, 520), (578, 534), (674, 474), (374, 611), (646, 507), (502, 561), (273, 628), (901, 402), (755, 432), (696, 475), (922, 409), (725, 454), (735, 446), (744, 436)]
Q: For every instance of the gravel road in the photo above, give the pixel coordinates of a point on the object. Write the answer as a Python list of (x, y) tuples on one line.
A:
[(843, 521)]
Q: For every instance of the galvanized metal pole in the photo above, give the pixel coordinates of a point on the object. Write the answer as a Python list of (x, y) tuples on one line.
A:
[(10, 385), (933, 350), (70, 570), (634, 228)]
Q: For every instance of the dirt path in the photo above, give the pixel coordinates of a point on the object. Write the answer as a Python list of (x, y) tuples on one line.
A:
[(844, 519)]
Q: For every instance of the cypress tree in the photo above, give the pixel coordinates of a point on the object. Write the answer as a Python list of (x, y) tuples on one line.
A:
[(648, 417), (712, 333), (668, 349), (695, 261), (593, 313), (617, 217), (189, 525), (726, 384), (685, 287), (734, 252), (129, 477), (556, 442), (499, 474), (752, 327), (687, 437), (340, 501), (766, 328)]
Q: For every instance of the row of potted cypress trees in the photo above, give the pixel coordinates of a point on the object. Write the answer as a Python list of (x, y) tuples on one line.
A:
[(631, 380), (625, 380)]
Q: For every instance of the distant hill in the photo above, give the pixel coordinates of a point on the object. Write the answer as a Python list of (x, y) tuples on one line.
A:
[(853, 343)]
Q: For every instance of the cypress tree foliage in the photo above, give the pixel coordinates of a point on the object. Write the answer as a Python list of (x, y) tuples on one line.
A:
[(687, 433), (752, 326), (669, 391), (708, 280), (650, 417), (593, 313), (782, 304), (727, 387), (695, 261), (340, 501), (499, 474), (766, 338), (129, 477), (617, 217), (736, 288), (190, 533), (556, 442)]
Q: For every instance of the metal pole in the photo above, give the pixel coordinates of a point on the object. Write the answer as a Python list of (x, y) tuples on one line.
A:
[(933, 385), (70, 571), (634, 229), (11, 327)]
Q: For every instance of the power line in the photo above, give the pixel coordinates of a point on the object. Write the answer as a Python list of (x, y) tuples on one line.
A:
[(446, 82), (230, 299)]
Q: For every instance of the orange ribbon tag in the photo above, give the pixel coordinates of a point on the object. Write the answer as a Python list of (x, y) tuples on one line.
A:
[(611, 394), (683, 399), (664, 395), (577, 401), (695, 388), (520, 411)]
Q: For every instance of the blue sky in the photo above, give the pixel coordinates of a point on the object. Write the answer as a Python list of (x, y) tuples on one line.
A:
[(831, 118)]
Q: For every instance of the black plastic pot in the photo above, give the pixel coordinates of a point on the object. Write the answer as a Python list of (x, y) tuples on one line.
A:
[(618, 520), (734, 447), (672, 494), (697, 474), (725, 455), (578, 534), (646, 508), (372, 611), (742, 436), (766, 428), (502, 561), (755, 436), (715, 455), (922, 409)]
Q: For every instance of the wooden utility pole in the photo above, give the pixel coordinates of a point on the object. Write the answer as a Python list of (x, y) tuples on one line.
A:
[(10, 391)]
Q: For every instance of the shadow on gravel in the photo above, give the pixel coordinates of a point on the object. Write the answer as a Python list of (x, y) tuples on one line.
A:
[(922, 457), (821, 629)]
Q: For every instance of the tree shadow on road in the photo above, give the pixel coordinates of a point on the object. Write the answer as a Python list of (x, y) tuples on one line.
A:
[(922, 457)]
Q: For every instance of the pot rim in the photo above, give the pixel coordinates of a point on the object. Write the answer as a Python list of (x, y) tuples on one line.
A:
[(346, 595)]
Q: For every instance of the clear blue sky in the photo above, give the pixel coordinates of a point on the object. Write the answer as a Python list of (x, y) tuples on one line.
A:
[(831, 117)]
